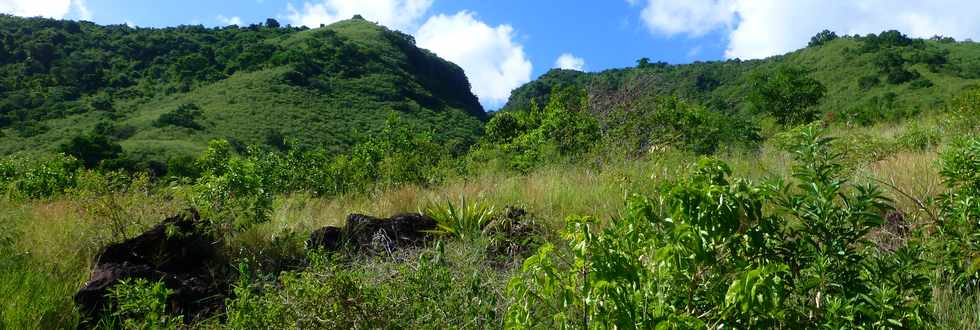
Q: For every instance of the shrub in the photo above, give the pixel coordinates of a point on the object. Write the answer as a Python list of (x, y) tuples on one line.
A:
[(712, 252), (233, 191), (917, 137), (433, 290), (868, 82), (563, 129), (965, 110), (184, 116), (92, 149), (959, 241), (921, 83), (464, 220), (503, 127), (40, 177), (139, 304)]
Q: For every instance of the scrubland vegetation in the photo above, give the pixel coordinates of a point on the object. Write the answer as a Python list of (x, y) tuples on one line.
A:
[(582, 205)]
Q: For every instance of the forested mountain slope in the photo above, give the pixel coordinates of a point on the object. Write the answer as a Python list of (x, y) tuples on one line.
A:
[(161, 93), (867, 78)]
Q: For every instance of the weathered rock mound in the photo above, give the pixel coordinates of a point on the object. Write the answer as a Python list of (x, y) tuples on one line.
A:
[(176, 252), (363, 232)]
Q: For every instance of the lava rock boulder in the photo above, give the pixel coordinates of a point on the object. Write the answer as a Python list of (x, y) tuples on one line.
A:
[(176, 252), (364, 232)]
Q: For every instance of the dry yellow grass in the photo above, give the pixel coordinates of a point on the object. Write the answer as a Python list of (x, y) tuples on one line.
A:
[(909, 178)]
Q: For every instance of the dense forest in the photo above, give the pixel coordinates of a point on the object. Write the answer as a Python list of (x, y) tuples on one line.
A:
[(272, 177)]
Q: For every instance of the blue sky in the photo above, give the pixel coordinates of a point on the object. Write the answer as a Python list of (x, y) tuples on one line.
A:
[(606, 34), (502, 44)]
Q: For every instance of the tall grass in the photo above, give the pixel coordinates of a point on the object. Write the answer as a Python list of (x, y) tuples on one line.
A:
[(48, 245), (50, 249)]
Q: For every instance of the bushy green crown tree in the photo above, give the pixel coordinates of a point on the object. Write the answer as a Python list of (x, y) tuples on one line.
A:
[(786, 93)]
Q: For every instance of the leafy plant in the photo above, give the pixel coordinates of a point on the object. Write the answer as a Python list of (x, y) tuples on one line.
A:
[(39, 177), (139, 304), (711, 252), (467, 221), (234, 192), (959, 230)]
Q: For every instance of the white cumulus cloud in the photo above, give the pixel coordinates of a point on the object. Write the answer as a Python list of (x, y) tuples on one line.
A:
[(401, 15), (234, 20), (692, 17), (46, 8), (568, 61), (761, 28), (494, 63)]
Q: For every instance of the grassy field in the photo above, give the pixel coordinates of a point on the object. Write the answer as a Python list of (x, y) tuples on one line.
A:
[(51, 242)]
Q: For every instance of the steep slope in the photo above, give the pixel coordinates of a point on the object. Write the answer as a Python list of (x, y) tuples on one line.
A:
[(868, 79), (329, 87)]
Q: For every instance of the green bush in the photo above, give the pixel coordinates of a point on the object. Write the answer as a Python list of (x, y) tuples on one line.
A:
[(234, 192), (656, 123), (965, 110), (184, 116), (139, 304), (39, 177), (711, 252), (92, 149), (959, 240), (433, 291), (868, 82), (563, 129), (919, 138)]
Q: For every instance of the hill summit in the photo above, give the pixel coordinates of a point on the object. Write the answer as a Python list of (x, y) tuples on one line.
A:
[(163, 93)]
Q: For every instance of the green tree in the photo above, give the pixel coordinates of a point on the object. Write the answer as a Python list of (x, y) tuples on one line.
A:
[(92, 149), (567, 123), (272, 23), (822, 38), (787, 93), (503, 127)]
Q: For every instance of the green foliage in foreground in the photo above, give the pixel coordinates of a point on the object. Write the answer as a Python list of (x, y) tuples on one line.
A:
[(958, 221), (710, 253), (432, 290), (141, 305)]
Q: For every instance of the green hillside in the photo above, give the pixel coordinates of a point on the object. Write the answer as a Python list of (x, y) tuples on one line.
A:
[(329, 87), (867, 78), (835, 187)]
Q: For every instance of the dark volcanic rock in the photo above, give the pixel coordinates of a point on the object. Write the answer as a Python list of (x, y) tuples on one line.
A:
[(325, 238), (376, 234), (175, 252)]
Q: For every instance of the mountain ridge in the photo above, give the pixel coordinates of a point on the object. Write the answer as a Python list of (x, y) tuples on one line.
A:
[(855, 69)]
